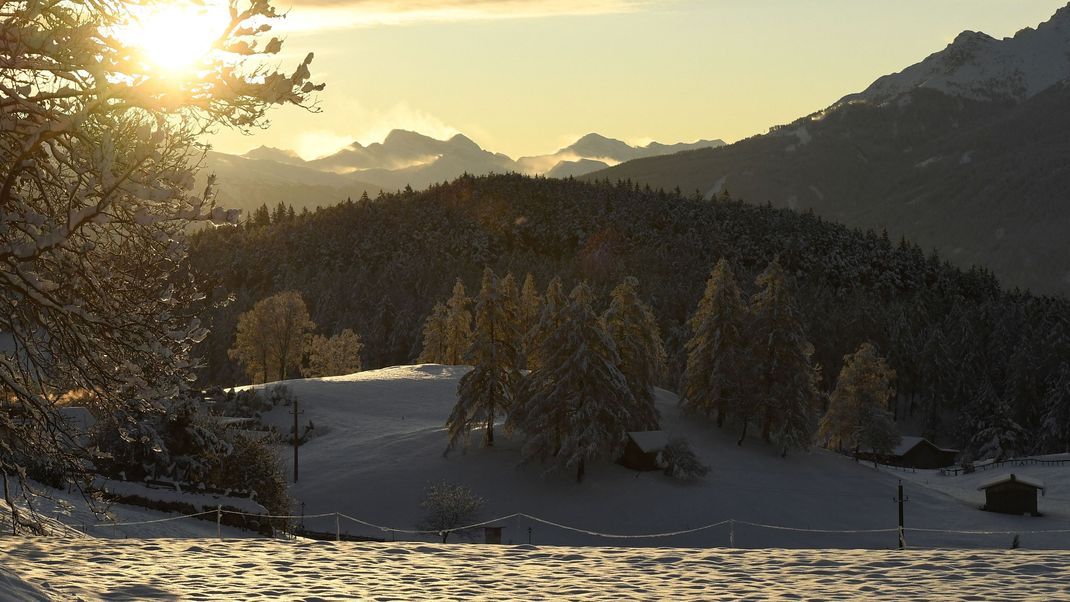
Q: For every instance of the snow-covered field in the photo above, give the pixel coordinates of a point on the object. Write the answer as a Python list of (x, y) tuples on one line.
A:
[(268, 569), (380, 442)]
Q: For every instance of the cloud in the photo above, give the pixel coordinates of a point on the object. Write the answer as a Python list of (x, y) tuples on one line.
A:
[(343, 14)]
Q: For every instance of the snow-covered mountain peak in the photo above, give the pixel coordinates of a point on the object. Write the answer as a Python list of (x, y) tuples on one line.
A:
[(980, 67)]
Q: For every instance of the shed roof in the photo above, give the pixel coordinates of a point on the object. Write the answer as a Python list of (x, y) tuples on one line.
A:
[(1012, 478), (909, 442), (650, 441)]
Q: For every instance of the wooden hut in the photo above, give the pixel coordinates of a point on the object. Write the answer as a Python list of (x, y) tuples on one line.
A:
[(1011, 494), (914, 452), (642, 450)]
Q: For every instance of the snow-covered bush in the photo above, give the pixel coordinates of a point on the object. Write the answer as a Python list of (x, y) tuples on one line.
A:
[(184, 446), (680, 462), (448, 506)]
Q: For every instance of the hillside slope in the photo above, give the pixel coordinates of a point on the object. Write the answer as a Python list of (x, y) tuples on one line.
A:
[(964, 152), (381, 440)]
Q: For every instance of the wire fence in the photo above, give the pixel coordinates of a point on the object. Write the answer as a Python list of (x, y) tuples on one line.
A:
[(732, 525)]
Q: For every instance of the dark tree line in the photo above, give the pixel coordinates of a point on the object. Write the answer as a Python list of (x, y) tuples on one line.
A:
[(959, 344)]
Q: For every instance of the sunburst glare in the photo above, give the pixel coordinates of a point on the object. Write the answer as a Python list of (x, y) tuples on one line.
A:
[(173, 39)]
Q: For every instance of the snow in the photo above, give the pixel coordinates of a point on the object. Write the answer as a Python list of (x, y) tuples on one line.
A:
[(908, 442), (246, 569), (650, 441), (980, 67), (1010, 478), (382, 439), (14, 589), (199, 500)]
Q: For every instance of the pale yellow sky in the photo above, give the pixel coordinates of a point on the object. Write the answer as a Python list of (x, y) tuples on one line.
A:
[(527, 77)]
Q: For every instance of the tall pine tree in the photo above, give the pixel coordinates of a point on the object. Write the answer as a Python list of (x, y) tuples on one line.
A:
[(716, 376), (787, 378), (457, 335), (574, 406), (487, 391), (634, 330), (549, 322), (528, 314)]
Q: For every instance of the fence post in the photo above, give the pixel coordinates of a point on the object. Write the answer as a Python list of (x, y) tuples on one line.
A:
[(219, 521), (732, 533), (337, 528)]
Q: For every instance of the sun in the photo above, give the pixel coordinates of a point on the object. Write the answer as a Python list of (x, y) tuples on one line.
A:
[(174, 39)]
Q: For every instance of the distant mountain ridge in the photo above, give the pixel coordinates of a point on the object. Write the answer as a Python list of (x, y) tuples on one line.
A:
[(965, 152), (267, 175)]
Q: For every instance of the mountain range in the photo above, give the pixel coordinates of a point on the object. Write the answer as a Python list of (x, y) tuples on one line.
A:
[(965, 152), (271, 175)]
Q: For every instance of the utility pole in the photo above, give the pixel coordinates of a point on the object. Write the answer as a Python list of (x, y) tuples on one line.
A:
[(296, 413), (902, 533)]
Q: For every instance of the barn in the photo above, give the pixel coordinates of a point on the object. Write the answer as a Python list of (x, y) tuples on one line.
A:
[(643, 448), (916, 452), (1011, 494)]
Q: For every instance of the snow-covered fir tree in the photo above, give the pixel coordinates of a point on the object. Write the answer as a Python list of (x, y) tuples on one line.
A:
[(549, 322), (487, 391), (574, 406), (786, 376), (858, 418), (511, 296), (457, 334), (634, 330), (1056, 422), (996, 434), (716, 376), (434, 335), (529, 311)]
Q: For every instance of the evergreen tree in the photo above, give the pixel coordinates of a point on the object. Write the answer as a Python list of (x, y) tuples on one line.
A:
[(487, 391), (634, 330), (787, 378), (550, 320), (457, 335), (996, 434), (574, 407), (1056, 422), (716, 376), (434, 351), (511, 297), (857, 416), (528, 314)]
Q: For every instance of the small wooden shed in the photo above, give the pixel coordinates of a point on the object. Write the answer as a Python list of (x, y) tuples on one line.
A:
[(1011, 494), (642, 450), (915, 452)]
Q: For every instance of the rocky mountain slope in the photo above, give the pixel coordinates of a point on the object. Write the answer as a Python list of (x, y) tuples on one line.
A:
[(964, 152)]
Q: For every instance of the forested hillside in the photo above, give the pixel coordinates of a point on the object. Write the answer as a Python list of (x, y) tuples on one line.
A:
[(970, 357)]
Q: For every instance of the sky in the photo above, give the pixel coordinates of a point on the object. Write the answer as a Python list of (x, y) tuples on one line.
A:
[(527, 77)]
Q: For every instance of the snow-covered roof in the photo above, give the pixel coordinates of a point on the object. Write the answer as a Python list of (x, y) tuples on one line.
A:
[(233, 420), (79, 417), (1012, 478), (650, 441), (910, 442)]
